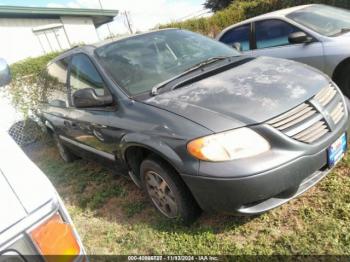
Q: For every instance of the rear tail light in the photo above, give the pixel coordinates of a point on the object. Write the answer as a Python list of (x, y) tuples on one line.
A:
[(56, 240)]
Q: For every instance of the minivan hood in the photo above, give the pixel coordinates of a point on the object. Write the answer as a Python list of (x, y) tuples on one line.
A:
[(23, 187), (252, 93)]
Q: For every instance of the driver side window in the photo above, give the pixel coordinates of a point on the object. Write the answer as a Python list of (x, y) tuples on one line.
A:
[(273, 33), (83, 74)]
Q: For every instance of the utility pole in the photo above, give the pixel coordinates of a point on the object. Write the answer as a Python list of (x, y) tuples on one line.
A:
[(128, 22), (109, 29)]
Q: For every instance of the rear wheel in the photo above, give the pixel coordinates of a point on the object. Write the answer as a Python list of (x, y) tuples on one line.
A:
[(343, 80), (64, 152), (167, 191)]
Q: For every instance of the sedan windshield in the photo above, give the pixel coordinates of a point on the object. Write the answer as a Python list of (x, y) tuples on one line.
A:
[(325, 20), (141, 62)]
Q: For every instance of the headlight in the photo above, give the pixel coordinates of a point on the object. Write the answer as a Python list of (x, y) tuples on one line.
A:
[(236, 144)]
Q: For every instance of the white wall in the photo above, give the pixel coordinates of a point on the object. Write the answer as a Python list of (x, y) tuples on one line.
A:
[(80, 30), (18, 41)]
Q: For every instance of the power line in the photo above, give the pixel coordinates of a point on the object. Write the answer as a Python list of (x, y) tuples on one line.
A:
[(194, 14), (109, 29), (128, 22)]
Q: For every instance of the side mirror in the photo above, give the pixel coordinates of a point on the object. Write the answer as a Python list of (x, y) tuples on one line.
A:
[(237, 46), (5, 75), (87, 98), (299, 38)]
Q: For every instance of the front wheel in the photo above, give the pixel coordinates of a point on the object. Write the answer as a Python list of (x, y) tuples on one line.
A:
[(167, 191)]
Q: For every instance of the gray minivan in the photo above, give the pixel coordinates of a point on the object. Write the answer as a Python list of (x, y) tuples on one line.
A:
[(194, 123)]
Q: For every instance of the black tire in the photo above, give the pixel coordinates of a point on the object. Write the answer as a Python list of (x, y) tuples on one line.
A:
[(64, 152), (187, 210), (343, 80)]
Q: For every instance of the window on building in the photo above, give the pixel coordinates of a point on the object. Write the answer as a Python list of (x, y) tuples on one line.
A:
[(52, 38)]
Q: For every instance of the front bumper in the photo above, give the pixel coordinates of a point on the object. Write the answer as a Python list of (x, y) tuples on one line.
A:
[(256, 185), (258, 193)]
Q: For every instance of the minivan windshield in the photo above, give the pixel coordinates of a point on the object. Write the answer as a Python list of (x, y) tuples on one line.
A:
[(325, 20), (141, 62)]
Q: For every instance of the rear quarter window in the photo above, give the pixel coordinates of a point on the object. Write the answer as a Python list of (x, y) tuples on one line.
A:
[(240, 35), (55, 84)]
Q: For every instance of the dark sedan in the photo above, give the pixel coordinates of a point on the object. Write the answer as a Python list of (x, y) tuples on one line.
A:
[(194, 123)]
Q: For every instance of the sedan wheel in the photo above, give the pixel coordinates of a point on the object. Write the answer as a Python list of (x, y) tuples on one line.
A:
[(343, 80)]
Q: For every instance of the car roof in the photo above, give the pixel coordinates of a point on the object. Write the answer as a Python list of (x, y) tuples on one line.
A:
[(113, 40), (90, 48), (286, 11), (275, 14), (278, 13)]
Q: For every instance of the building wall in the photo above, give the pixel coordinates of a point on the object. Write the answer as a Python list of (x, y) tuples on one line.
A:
[(19, 41), (80, 30)]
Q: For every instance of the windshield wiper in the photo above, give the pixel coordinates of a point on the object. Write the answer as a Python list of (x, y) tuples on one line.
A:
[(193, 68), (343, 31)]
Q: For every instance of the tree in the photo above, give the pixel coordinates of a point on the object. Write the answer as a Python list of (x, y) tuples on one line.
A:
[(216, 5)]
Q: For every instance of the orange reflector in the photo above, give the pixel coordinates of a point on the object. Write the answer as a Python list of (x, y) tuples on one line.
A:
[(56, 237), (195, 148)]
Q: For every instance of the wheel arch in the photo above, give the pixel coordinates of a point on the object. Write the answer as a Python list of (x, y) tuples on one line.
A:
[(134, 149), (339, 68)]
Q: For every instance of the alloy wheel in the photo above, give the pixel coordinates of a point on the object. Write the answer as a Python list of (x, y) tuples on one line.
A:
[(161, 194)]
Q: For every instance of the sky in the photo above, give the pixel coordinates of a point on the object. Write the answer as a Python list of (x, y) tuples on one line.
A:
[(144, 14)]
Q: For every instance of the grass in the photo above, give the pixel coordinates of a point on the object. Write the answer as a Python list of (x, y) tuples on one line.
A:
[(114, 217)]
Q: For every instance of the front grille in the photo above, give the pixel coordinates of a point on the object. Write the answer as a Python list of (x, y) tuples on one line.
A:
[(338, 113), (312, 133), (325, 96), (305, 123), (293, 117)]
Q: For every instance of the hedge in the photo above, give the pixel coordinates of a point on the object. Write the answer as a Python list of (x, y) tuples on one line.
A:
[(25, 89), (240, 10), (31, 65)]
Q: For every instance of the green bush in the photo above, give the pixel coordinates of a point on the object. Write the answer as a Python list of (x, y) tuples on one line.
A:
[(25, 89), (240, 10), (31, 66)]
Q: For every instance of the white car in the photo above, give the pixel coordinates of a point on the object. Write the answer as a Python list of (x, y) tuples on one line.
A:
[(317, 35), (33, 219)]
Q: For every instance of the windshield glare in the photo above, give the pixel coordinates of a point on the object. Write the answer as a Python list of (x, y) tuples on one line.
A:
[(325, 20), (139, 63)]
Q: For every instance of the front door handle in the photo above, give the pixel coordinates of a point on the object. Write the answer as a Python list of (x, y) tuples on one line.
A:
[(69, 124), (66, 123)]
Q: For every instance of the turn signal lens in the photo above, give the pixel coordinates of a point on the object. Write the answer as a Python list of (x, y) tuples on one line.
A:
[(56, 240), (235, 144)]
